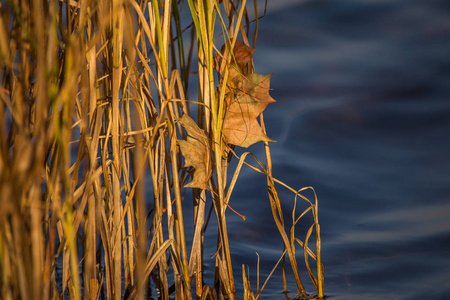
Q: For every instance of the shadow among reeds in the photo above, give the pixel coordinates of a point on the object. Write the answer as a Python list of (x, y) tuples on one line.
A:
[(99, 136)]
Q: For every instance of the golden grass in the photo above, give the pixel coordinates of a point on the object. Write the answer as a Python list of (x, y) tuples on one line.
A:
[(90, 98)]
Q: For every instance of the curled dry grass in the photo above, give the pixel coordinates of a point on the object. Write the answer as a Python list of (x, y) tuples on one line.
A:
[(90, 95)]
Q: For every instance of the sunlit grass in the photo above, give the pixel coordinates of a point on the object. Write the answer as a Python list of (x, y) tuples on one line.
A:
[(91, 174)]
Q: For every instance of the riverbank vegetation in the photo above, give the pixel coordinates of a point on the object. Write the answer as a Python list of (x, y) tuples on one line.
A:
[(113, 115)]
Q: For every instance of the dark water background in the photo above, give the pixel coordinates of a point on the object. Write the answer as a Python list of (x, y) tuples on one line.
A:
[(363, 116)]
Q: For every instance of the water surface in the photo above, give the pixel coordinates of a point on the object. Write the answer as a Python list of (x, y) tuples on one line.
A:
[(363, 116)]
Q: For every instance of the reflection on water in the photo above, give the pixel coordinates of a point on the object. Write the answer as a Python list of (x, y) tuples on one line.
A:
[(362, 90)]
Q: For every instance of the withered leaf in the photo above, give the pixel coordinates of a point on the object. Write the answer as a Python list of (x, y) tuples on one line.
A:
[(195, 150), (242, 55), (240, 125)]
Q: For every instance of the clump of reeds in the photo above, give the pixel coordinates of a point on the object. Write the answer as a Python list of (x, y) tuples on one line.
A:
[(98, 139)]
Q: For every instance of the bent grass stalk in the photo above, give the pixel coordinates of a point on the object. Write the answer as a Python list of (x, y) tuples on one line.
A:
[(92, 171)]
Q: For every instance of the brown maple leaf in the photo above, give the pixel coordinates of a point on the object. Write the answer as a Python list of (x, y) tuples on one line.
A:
[(242, 55), (195, 150), (251, 97)]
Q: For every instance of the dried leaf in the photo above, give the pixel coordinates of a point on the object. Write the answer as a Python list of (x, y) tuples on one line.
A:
[(240, 126), (195, 150), (242, 55)]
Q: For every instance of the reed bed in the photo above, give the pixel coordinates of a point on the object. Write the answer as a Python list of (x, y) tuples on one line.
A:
[(102, 143)]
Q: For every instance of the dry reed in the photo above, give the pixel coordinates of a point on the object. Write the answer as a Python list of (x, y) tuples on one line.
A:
[(91, 173)]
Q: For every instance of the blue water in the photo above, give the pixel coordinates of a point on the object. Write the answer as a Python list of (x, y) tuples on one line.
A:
[(363, 116)]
